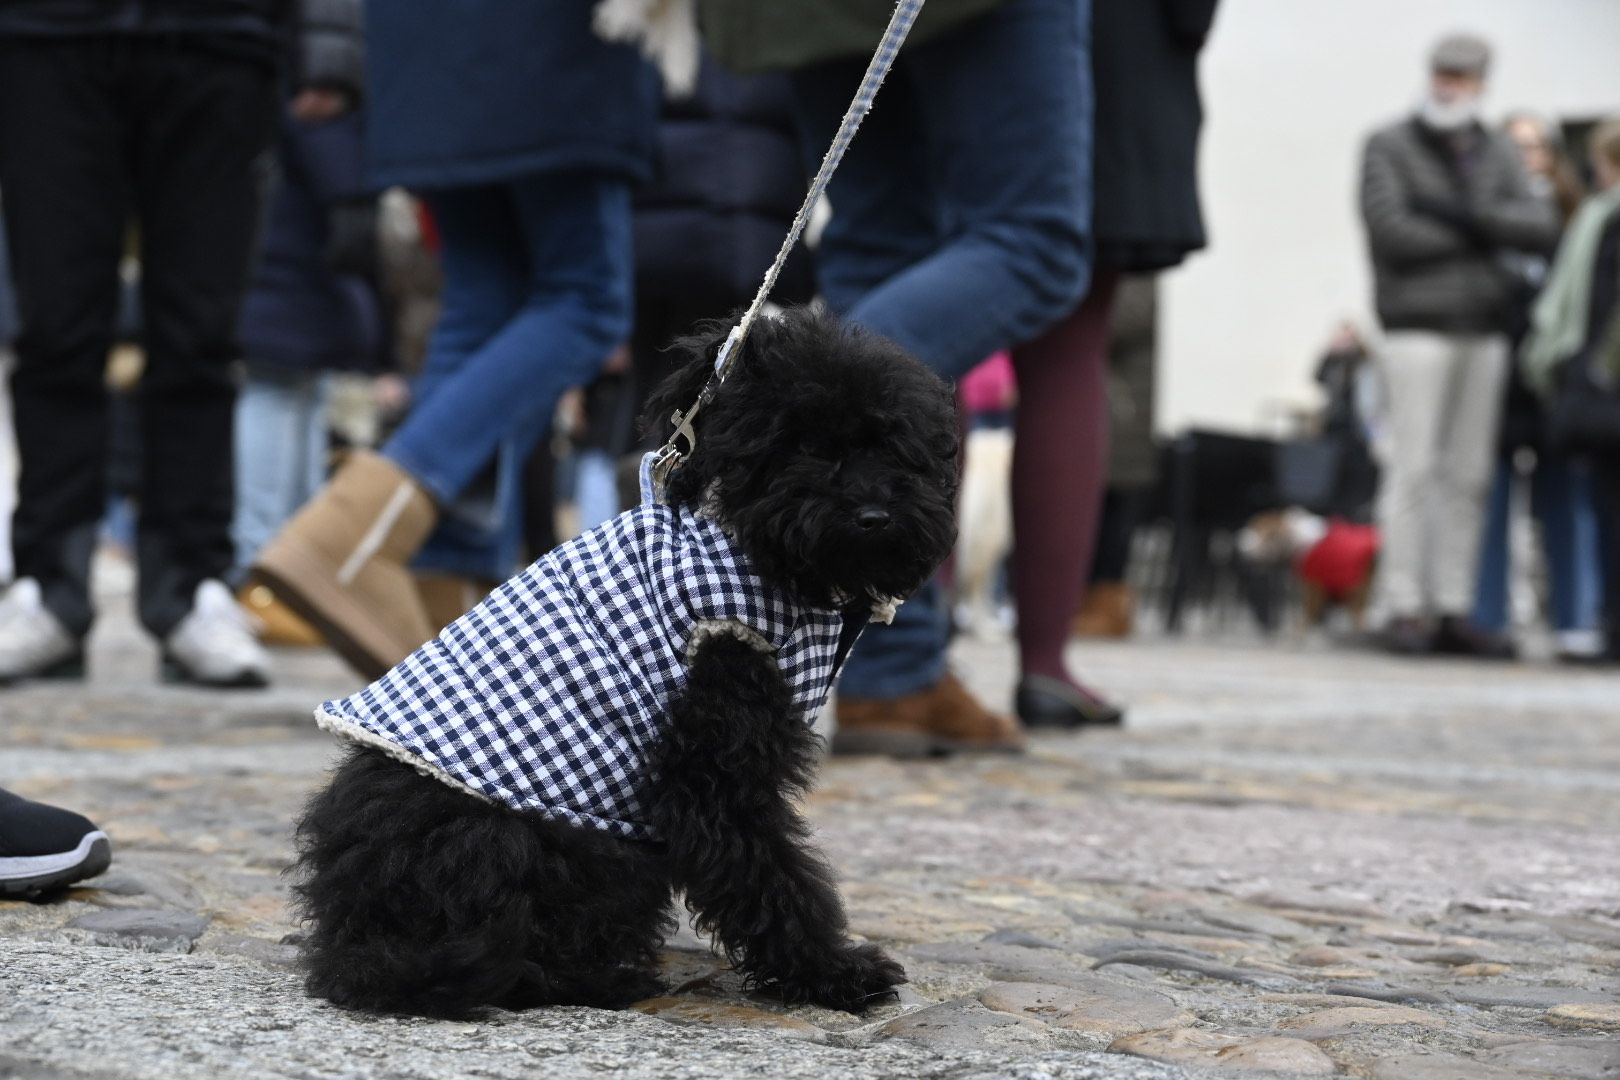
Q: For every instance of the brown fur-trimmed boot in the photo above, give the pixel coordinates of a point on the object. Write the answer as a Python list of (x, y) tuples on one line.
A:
[(278, 623), (340, 563), (944, 719), (1108, 611)]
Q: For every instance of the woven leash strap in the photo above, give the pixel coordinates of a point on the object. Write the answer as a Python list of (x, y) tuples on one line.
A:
[(671, 454)]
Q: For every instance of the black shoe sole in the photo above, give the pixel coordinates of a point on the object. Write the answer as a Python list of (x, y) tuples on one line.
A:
[(175, 673), (1040, 709), (353, 653), (68, 669), (909, 745), (33, 888)]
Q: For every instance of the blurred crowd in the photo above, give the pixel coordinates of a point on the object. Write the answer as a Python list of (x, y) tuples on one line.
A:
[(328, 316)]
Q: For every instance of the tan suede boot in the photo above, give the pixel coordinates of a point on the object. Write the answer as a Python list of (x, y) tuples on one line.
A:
[(944, 719), (340, 563), (278, 623), (447, 597), (1108, 611)]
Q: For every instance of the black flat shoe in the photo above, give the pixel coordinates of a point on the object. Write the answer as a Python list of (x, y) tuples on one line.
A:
[(1408, 635), (1457, 636), (1049, 703)]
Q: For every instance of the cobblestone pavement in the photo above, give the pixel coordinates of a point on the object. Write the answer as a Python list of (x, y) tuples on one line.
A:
[(1292, 862)]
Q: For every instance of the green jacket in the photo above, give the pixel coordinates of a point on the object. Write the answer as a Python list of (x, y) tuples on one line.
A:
[(751, 36)]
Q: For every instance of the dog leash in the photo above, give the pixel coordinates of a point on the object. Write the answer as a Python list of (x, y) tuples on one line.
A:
[(658, 465)]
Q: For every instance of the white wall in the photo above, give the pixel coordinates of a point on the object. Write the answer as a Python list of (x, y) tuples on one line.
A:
[(1291, 87)]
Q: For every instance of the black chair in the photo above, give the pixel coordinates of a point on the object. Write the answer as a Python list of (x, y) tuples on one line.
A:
[(1214, 484)]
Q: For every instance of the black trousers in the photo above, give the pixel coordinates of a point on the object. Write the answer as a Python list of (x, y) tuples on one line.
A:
[(1121, 513), (1606, 494), (99, 135)]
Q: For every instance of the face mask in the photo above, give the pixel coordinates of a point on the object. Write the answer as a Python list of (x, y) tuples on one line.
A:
[(1448, 115)]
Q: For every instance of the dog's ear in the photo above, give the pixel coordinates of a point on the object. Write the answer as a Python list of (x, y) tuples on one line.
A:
[(692, 364)]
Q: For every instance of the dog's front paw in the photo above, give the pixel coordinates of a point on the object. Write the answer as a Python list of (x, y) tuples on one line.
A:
[(854, 979)]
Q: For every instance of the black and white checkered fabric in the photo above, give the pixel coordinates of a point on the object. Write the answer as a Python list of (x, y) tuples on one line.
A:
[(550, 694)]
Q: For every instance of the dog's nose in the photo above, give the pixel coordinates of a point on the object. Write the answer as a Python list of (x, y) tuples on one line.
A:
[(871, 517)]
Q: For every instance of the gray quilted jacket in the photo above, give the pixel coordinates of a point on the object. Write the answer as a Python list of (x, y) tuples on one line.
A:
[(1429, 274)]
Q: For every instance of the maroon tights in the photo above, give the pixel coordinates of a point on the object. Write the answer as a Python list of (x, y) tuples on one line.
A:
[(1060, 466)]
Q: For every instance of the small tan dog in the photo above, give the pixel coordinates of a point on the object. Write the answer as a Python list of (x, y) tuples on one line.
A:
[(1332, 559)]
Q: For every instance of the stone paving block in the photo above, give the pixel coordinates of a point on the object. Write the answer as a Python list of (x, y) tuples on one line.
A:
[(694, 1010), (1438, 1066), (1341, 1020), (965, 1024), (1010, 963), (1598, 1017), (1194, 1046), (1571, 1059), (1105, 1008), (145, 929)]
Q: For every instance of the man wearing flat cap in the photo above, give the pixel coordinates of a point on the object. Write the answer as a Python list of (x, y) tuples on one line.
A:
[(1446, 205)]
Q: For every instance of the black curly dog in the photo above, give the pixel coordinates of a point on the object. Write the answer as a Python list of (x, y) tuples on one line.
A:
[(831, 456)]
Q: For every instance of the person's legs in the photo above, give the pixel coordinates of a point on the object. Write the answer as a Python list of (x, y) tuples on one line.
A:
[(1060, 466), (1495, 557), (576, 308), (485, 278), (1466, 461), (205, 123), (1561, 502), (342, 562), (1108, 608), (280, 453), (958, 226), (884, 222), (64, 174), (885, 218), (1588, 548), (1006, 109), (1414, 367), (1606, 499), (485, 284)]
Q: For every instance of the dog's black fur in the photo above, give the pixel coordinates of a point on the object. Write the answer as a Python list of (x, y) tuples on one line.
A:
[(423, 899)]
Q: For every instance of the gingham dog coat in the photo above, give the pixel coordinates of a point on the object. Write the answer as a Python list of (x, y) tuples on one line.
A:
[(550, 695)]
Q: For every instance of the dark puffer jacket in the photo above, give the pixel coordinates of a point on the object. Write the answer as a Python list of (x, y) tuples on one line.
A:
[(327, 46), (1437, 222), (306, 310), (488, 91), (729, 181)]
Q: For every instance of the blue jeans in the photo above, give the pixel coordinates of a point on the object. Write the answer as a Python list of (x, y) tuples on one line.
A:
[(1561, 503), (960, 225), (537, 293), (281, 445)]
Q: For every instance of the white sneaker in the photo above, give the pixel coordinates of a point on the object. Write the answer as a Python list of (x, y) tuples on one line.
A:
[(1579, 646), (33, 642), (214, 644)]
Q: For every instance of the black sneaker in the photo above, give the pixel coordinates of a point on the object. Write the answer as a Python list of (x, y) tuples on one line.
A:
[(43, 848), (1408, 635), (1457, 636)]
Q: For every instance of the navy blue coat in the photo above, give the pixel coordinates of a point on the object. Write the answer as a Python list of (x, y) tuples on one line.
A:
[(298, 313), (729, 182), (488, 91)]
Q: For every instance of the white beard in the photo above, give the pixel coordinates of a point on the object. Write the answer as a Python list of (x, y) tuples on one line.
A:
[(1448, 115)]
